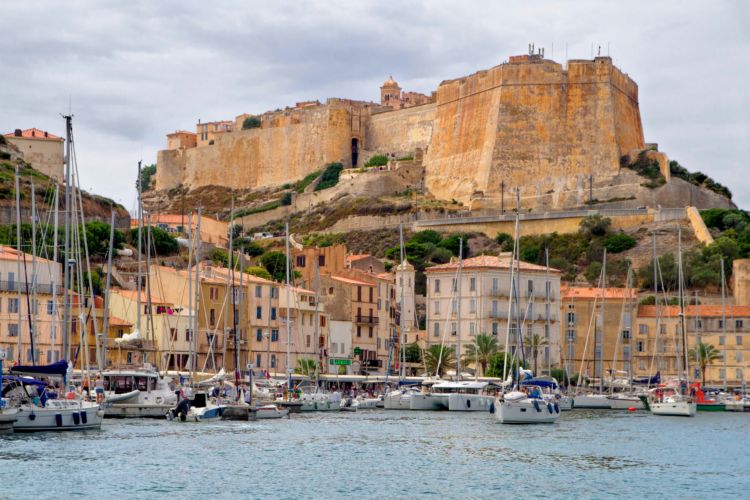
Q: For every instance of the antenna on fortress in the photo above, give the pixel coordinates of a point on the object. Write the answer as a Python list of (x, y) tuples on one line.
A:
[(607, 49), (592, 50), (600, 51)]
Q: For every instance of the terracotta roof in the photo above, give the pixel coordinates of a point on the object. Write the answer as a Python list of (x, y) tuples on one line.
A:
[(487, 262), (177, 132), (115, 321), (359, 256), (699, 311), (35, 133), (176, 219), (133, 295), (350, 281), (10, 253), (385, 276), (587, 292)]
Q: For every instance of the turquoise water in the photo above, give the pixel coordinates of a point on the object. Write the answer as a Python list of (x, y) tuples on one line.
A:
[(387, 454)]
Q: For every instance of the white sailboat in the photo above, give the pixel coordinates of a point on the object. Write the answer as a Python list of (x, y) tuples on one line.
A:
[(522, 405), (676, 402)]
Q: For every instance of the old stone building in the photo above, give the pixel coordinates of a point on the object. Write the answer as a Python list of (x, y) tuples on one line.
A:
[(44, 151)]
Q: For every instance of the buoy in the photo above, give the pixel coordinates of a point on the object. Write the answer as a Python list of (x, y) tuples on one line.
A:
[(632, 408)]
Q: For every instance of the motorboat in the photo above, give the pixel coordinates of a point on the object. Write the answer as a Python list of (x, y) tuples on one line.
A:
[(137, 393), (466, 396), (320, 401), (667, 401), (200, 409), (270, 411), (525, 407)]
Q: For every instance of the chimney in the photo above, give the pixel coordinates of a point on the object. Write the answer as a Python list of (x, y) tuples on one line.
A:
[(33, 133), (46, 134), (17, 132)]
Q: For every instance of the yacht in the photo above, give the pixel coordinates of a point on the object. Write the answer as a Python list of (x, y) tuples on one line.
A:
[(593, 401), (668, 401), (525, 407), (466, 396), (320, 401), (400, 399), (137, 394), (625, 401)]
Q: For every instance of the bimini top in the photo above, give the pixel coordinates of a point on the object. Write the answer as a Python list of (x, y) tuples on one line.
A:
[(57, 369), (460, 385), (544, 382)]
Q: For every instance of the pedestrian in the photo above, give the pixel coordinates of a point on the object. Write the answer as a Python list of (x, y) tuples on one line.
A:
[(99, 389)]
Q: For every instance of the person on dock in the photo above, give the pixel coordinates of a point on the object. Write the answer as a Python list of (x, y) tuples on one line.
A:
[(99, 389)]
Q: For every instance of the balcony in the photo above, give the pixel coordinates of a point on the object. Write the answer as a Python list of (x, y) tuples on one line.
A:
[(367, 320), (14, 286), (372, 363)]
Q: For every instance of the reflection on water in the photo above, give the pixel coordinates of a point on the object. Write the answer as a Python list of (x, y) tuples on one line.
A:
[(586, 453)]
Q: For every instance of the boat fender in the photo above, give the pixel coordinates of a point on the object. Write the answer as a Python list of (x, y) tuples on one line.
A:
[(536, 405), (492, 408), (557, 408), (549, 407), (468, 403), (158, 400), (58, 419), (76, 418), (84, 418), (183, 417), (32, 416)]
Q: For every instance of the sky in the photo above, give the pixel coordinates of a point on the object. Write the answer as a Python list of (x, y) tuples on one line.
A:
[(131, 72)]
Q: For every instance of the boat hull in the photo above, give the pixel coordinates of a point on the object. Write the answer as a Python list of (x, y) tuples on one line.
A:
[(738, 406), (712, 407), (320, 406), (626, 403), (592, 401), (674, 409), (525, 412), (270, 412), (60, 418), (565, 403), (469, 402), (397, 401), (428, 402), (7, 419)]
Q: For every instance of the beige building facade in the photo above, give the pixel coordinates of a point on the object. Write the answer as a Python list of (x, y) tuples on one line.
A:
[(44, 151)]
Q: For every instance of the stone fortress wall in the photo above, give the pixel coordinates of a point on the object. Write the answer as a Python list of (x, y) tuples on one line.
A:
[(529, 123)]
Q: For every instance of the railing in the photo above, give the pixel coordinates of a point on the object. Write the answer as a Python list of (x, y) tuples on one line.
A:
[(470, 218), (15, 286), (368, 320)]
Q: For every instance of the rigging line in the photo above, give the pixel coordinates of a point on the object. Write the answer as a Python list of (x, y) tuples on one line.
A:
[(588, 335), (447, 319), (620, 328)]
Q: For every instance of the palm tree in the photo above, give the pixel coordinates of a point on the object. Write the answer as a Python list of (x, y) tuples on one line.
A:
[(480, 351), (534, 343), (438, 358), (704, 355), (305, 366)]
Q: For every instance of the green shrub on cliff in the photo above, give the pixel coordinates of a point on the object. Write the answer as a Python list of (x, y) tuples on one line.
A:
[(698, 179), (300, 186), (648, 168), (251, 122), (377, 161), (146, 173), (330, 176)]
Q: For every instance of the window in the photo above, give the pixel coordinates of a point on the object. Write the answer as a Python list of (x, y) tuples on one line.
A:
[(547, 290), (359, 293), (436, 329), (625, 352), (11, 281), (738, 373), (273, 313), (494, 285), (436, 308), (379, 342), (722, 374), (531, 287), (372, 290), (738, 323), (639, 346), (35, 306), (494, 309), (12, 305), (359, 331), (259, 335), (212, 317), (494, 328), (699, 323), (50, 307), (258, 291), (643, 329), (273, 361), (722, 340), (721, 323), (738, 339), (641, 364), (454, 306), (571, 335), (472, 306), (369, 331), (321, 260), (188, 335), (471, 328), (274, 335), (437, 286), (12, 330), (213, 293), (626, 335), (472, 284), (571, 318), (454, 284), (738, 356), (546, 331), (130, 358), (274, 292), (454, 329), (663, 329), (257, 360), (259, 312), (322, 321), (300, 261)]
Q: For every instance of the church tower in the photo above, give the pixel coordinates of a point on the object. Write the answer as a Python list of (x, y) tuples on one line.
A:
[(390, 94)]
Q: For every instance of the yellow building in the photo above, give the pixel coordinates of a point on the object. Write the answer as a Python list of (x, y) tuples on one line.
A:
[(726, 328), (213, 231), (584, 337)]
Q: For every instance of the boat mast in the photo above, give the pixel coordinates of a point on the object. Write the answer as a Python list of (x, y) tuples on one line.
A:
[(55, 319), (139, 212), (458, 292), (66, 248), (103, 361), (656, 304), (288, 319), (599, 332), (32, 319), (234, 305), (548, 296), (197, 290), (723, 314), (630, 325), (511, 295), (18, 268), (317, 321), (683, 326), (402, 356), (149, 305), (190, 294)]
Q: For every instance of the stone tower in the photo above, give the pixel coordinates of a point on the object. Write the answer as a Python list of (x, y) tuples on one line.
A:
[(405, 276), (390, 93)]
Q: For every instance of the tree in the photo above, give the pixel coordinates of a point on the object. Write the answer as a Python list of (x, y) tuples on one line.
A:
[(595, 225), (305, 366), (480, 351), (97, 238), (704, 355), (534, 343), (453, 242), (560, 375), (500, 361), (438, 358), (259, 272), (145, 178), (251, 122), (619, 242), (162, 242), (413, 353), (275, 264)]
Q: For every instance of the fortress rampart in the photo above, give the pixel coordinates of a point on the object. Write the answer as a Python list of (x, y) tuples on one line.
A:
[(529, 123)]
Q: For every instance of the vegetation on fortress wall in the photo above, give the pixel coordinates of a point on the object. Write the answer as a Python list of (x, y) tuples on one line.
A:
[(646, 167), (251, 122), (330, 176), (377, 161), (698, 179), (146, 173)]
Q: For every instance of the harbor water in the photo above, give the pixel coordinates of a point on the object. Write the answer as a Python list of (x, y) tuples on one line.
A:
[(387, 454)]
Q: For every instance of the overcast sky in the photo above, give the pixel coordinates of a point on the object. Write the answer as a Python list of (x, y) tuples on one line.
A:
[(135, 71)]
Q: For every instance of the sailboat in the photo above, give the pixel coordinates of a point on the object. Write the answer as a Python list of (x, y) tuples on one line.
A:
[(672, 401), (523, 404)]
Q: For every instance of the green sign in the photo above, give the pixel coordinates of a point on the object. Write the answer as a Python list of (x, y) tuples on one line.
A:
[(340, 362), (357, 351)]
